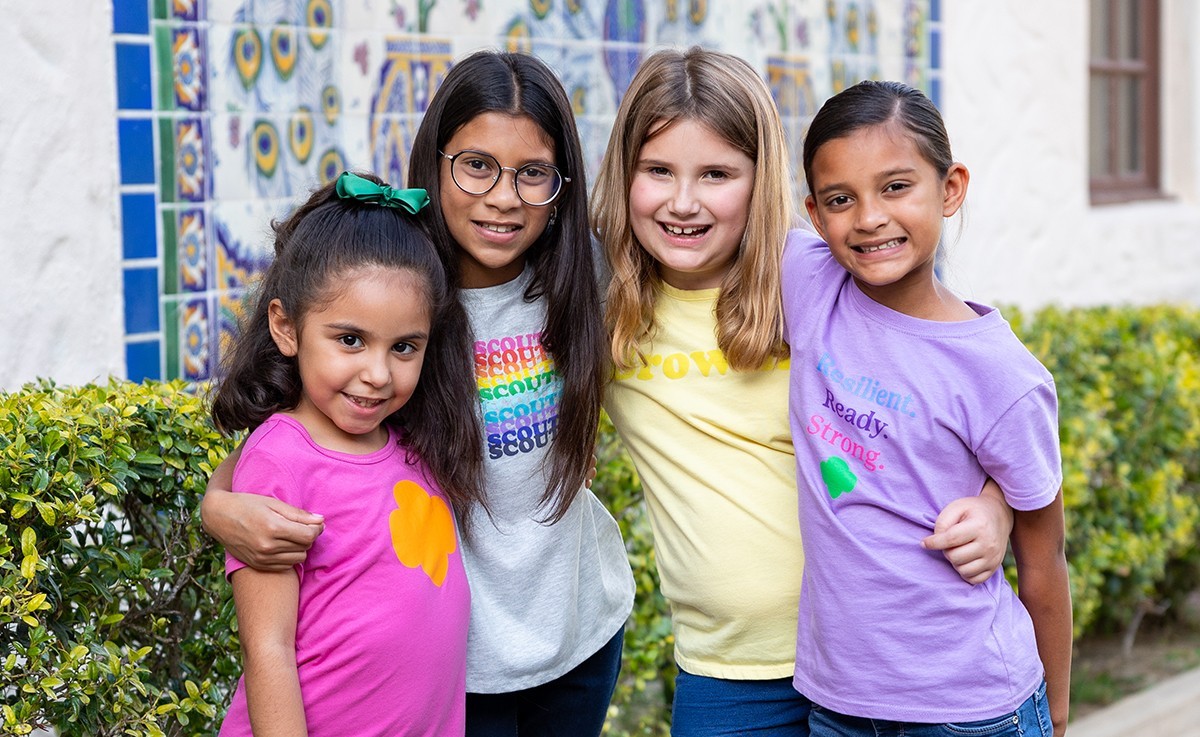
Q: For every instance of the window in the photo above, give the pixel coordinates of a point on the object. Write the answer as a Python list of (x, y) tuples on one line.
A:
[(1123, 137)]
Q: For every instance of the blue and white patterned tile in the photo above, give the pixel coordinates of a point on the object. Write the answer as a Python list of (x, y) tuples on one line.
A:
[(231, 168)]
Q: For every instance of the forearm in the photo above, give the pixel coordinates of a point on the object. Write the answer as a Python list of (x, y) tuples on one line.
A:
[(1043, 584), (273, 693), (211, 506), (1002, 514), (1046, 595)]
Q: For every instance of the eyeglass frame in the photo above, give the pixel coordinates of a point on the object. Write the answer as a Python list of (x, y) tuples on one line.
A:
[(563, 178)]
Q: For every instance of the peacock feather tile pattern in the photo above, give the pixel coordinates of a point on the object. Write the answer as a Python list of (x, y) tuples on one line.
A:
[(230, 111)]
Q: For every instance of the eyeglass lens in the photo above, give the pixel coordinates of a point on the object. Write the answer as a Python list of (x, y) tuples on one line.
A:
[(477, 173)]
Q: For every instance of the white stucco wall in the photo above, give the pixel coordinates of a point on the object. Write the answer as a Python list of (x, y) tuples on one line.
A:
[(60, 257), (1016, 108), (1014, 94)]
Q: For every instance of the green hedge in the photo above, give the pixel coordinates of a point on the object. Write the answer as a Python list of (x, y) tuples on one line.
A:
[(1129, 394), (115, 617)]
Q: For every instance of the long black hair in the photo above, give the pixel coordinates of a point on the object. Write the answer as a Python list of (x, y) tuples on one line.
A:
[(320, 241), (561, 258)]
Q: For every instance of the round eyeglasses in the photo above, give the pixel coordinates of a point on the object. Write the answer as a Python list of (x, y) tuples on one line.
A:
[(476, 173)]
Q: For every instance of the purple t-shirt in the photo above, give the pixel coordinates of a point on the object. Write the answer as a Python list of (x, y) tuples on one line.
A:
[(381, 630), (894, 417)]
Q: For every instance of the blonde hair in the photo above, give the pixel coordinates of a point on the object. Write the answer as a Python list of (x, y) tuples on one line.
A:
[(725, 94)]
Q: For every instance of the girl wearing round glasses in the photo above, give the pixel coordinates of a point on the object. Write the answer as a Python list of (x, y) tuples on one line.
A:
[(475, 172)]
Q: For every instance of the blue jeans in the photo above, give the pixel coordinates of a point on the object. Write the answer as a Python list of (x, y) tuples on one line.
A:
[(708, 707), (1032, 718), (572, 705)]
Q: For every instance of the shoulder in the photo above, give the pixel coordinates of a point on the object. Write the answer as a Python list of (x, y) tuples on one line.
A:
[(272, 456), (804, 254)]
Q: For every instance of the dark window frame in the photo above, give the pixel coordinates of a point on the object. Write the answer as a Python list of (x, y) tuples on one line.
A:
[(1144, 181)]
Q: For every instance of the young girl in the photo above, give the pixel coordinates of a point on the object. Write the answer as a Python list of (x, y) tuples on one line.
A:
[(692, 205), (901, 395), (551, 586), (325, 373)]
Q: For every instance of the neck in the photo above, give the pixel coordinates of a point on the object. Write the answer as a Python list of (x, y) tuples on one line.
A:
[(926, 299)]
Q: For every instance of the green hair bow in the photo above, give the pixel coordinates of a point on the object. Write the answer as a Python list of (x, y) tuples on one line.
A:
[(350, 186)]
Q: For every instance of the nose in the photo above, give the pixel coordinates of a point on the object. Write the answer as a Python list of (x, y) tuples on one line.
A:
[(683, 199), (870, 215), (374, 370), (503, 194)]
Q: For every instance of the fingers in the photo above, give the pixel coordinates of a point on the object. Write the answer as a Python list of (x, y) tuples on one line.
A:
[(295, 514), (963, 533), (954, 526), (268, 534)]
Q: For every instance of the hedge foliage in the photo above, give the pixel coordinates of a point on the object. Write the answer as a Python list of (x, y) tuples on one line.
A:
[(114, 615), (115, 618)]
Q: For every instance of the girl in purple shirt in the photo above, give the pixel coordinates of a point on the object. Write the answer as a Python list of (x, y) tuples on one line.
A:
[(901, 395)]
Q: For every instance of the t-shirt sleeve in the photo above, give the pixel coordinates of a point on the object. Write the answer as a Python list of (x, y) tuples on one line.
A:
[(260, 471), (805, 259), (1021, 451)]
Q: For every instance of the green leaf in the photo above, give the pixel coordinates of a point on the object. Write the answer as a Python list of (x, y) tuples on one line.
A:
[(146, 458), (36, 602)]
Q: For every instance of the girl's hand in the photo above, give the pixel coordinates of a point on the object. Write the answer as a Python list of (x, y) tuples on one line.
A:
[(972, 533), (261, 531)]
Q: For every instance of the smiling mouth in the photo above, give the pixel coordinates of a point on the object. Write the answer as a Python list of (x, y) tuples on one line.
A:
[(691, 230), (364, 402), (894, 243), (498, 228)]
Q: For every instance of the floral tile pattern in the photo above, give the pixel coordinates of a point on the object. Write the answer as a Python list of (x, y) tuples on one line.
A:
[(229, 111)]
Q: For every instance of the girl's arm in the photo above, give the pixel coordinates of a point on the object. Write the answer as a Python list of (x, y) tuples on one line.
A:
[(1039, 539), (972, 532), (260, 531), (267, 604)]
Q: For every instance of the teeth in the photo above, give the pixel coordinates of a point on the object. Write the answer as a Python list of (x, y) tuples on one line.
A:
[(366, 403), (498, 228), (676, 230), (881, 247)]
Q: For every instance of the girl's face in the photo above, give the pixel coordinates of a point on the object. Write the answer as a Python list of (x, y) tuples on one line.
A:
[(879, 203), (360, 355), (494, 230), (689, 200)]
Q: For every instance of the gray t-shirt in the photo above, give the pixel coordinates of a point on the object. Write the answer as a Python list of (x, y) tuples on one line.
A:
[(543, 597)]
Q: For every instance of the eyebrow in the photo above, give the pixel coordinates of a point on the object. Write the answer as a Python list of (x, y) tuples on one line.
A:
[(885, 175), (548, 162), (346, 327), (728, 165)]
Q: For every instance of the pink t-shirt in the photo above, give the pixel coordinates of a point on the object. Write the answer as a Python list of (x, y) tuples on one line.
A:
[(381, 629)]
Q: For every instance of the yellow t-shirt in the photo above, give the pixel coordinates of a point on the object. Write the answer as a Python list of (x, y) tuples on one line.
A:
[(714, 451)]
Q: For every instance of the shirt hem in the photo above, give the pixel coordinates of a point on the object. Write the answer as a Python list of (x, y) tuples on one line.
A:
[(736, 672), (906, 713), (497, 683)]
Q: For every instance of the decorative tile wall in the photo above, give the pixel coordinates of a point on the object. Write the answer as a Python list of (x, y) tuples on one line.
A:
[(230, 110)]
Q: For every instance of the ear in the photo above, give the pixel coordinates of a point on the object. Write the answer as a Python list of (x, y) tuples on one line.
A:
[(283, 330), (954, 189), (810, 204)]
